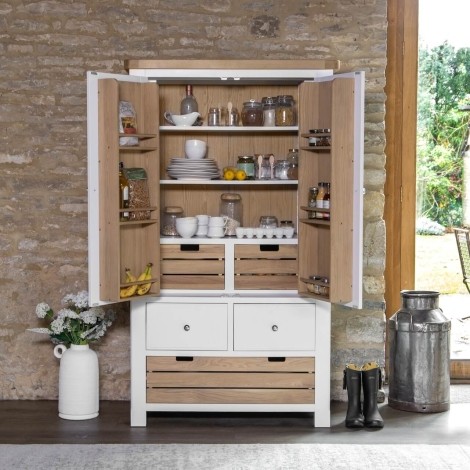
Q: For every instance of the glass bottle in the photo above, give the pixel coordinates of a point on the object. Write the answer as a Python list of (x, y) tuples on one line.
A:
[(293, 159), (326, 202), (123, 194), (188, 103), (312, 201), (231, 207), (319, 200)]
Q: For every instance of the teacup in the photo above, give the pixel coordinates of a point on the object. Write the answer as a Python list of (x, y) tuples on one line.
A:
[(259, 232), (216, 232), (249, 232), (202, 230), (181, 119), (240, 232), (288, 231), (278, 232), (202, 219), (217, 221), (269, 232)]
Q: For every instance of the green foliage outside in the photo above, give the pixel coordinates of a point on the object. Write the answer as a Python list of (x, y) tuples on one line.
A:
[(444, 87)]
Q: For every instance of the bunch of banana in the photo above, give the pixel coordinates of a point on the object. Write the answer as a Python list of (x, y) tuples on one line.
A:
[(146, 275), (128, 291)]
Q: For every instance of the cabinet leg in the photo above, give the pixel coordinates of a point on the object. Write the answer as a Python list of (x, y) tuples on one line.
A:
[(321, 418), (138, 417)]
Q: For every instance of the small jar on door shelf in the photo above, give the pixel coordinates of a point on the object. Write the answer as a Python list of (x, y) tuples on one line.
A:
[(168, 223)]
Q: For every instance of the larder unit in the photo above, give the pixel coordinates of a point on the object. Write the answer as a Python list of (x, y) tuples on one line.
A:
[(230, 324)]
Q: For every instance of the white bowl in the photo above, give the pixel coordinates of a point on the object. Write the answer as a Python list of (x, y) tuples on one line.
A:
[(195, 149), (181, 119), (186, 230)]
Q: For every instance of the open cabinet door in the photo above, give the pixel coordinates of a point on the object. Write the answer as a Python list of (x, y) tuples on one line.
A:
[(332, 248), (115, 245)]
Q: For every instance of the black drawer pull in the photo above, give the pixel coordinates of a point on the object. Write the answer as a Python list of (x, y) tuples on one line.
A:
[(276, 359), (269, 248), (189, 247), (184, 358)]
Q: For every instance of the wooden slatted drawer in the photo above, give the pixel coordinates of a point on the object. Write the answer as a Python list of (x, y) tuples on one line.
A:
[(266, 267), (190, 380), (192, 266)]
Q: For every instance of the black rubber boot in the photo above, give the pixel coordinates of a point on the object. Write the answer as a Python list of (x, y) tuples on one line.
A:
[(352, 382), (371, 382)]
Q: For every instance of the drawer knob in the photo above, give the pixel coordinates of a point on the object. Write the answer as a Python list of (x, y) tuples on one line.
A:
[(274, 328), (186, 327)]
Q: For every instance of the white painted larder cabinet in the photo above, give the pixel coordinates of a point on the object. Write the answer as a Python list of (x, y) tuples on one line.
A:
[(230, 324)]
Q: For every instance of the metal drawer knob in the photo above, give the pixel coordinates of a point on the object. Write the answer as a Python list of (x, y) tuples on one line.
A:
[(274, 328), (187, 327)]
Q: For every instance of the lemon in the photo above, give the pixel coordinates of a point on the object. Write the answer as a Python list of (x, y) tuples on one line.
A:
[(229, 175), (240, 175)]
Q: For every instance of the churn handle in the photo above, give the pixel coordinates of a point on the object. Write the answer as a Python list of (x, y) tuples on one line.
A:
[(396, 319)]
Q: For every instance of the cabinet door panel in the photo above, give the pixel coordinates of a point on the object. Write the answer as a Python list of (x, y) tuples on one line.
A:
[(274, 327)]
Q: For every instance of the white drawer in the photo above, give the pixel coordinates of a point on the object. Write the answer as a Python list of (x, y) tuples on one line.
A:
[(274, 327), (187, 326)]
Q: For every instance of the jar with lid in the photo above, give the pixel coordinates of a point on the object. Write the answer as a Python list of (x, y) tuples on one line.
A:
[(269, 110), (285, 111), (169, 216), (247, 164), (232, 208), (232, 117), (281, 170), (268, 221), (286, 224), (252, 113), (263, 166), (293, 159), (326, 202)]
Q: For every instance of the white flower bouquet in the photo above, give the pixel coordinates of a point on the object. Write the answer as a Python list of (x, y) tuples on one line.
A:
[(76, 323)]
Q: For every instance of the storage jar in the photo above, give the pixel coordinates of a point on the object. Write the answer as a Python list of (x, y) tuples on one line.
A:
[(252, 113), (285, 111), (168, 224), (232, 208)]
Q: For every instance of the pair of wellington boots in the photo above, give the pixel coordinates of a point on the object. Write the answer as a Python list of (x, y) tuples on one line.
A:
[(369, 379)]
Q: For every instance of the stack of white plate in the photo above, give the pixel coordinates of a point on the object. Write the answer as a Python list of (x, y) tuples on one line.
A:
[(186, 169)]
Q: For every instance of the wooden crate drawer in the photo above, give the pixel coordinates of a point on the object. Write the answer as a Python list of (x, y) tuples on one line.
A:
[(183, 326), (231, 364), (274, 327), (266, 266), (192, 266), (191, 380)]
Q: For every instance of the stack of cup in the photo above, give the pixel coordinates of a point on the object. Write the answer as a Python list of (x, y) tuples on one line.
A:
[(217, 227), (202, 225)]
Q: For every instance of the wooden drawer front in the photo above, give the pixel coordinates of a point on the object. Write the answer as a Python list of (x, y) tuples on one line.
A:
[(192, 267), (274, 327), (230, 380), (266, 267), (182, 326)]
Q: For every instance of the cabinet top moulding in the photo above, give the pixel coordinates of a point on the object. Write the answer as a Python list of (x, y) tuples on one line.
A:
[(231, 72)]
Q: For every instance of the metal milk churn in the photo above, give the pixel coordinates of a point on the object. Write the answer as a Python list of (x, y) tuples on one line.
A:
[(419, 354)]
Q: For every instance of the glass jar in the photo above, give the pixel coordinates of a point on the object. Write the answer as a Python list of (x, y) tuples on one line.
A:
[(312, 201), (231, 207), (285, 111), (269, 110), (169, 216), (247, 164), (263, 166), (281, 170), (213, 118), (268, 221), (319, 200), (293, 159), (232, 117), (252, 113), (286, 224)]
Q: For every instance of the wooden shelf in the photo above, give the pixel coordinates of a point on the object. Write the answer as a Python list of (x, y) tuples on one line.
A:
[(220, 182), (315, 222), (229, 129)]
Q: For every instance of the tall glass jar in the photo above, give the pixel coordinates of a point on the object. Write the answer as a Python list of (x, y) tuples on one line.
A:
[(232, 208), (285, 111), (269, 111), (252, 113), (168, 224)]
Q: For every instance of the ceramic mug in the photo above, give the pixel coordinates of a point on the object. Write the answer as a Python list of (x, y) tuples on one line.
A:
[(202, 219), (216, 232), (217, 221)]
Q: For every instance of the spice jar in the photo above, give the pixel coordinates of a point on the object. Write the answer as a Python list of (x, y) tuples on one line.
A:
[(319, 200), (213, 118), (269, 110), (312, 201), (285, 111), (231, 207), (247, 164), (252, 113), (169, 216), (232, 117)]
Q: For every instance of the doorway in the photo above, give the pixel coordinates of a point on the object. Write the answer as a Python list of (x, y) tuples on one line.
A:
[(400, 187)]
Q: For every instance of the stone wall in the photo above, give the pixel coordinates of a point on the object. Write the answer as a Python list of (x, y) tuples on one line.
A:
[(47, 47)]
